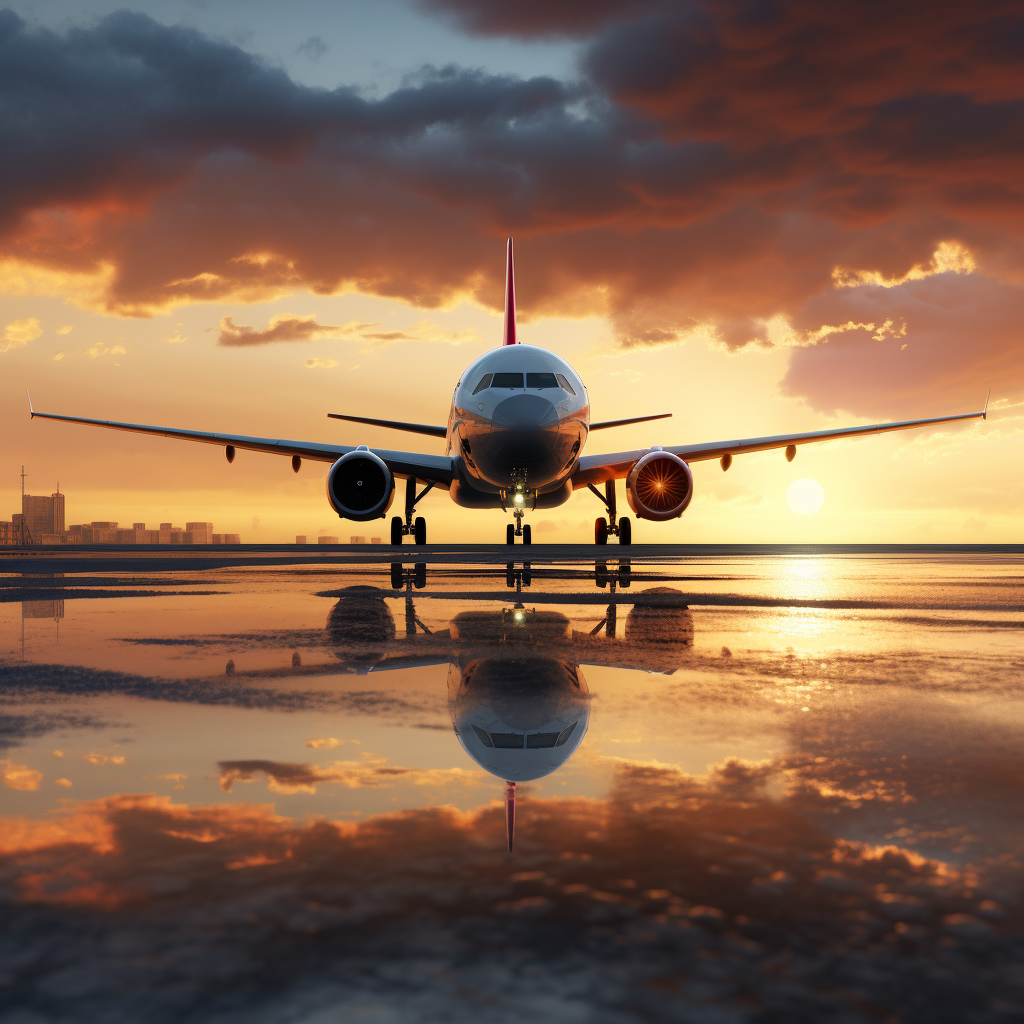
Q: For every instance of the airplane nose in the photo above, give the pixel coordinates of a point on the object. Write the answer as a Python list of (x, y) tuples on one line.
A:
[(524, 412), (527, 423)]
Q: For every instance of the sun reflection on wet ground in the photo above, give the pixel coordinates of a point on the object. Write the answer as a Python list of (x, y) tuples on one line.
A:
[(747, 789)]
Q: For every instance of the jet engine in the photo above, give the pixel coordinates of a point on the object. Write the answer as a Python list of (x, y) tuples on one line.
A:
[(360, 486), (659, 486)]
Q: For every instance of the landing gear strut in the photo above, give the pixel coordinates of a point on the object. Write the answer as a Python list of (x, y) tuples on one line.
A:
[(417, 530), (621, 528)]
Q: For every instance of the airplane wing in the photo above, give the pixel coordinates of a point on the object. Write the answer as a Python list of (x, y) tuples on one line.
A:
[(429, 468), (597, 468)]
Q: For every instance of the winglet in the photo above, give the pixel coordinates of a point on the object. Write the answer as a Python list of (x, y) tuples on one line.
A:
[(984, 412), (509, 336), (31, 411)]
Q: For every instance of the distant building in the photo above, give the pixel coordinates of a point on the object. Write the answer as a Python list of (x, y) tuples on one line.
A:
[(300, 538), (375, 540), (327, 540), (200, 533), (357, 540), (41, 515), (41, 521)]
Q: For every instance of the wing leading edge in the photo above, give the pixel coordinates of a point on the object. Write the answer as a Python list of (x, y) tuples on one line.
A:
[(431, 468), (616, 465)]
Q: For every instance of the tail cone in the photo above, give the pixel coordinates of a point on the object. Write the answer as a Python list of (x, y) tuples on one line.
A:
[(510, 813)]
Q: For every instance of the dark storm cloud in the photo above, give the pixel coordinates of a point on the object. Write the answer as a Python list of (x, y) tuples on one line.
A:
[(124, 109), (713, 168)]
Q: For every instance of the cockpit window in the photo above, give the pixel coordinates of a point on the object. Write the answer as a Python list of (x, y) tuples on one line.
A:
[(564, 384), (507, 380), (485, 383), (534, 740), (507, 740), (565, 734), (541, 380)]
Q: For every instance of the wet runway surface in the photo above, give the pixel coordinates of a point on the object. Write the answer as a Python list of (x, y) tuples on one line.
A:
[(748, 786)]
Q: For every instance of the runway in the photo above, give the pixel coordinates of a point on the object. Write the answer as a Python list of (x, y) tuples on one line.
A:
[(150, 558)]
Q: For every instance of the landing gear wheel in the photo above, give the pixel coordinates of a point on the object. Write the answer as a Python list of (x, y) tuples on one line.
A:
[(420, 575), (625, 531), (601, 530), (527, 535), (397, 580), (510, 534), (396, 529), (420, 529), (510, 576)]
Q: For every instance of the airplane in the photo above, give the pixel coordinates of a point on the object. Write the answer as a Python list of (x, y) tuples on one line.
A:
[(517, 427)]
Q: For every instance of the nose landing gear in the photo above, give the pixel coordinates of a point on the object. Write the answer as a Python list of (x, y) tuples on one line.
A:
[(418, 529), (519, 495), (519, 530), (622, 528)]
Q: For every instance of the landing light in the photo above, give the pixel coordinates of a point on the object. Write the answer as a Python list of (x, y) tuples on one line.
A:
[(518, 499), (519, 616)]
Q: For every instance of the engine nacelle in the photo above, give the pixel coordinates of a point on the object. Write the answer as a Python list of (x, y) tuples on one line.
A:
[(360, 486), (659, 486)]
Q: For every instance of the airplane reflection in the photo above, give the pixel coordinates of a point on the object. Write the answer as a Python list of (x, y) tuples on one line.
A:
[(517, 695)]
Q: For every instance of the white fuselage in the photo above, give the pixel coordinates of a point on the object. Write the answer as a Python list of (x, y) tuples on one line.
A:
[(519, 413)]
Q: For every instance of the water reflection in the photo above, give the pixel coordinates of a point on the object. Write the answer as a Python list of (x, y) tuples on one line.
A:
[(734, 804), (517, 695)]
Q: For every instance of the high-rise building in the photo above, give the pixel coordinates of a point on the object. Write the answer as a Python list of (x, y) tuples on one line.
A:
[(58, 510), (42, 515)]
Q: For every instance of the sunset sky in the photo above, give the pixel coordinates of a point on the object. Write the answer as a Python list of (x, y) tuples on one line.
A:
[(762, 218)]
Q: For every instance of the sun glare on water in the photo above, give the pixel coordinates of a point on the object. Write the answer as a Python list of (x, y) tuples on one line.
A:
[(805, 496)]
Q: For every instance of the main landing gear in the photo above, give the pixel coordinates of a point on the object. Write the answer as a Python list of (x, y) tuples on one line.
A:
[(418, 529), (622, 528)]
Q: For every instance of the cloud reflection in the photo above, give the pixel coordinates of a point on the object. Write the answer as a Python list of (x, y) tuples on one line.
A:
[(673, 891)]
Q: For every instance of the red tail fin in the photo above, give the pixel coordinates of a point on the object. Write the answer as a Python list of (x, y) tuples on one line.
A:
[(509, 337)]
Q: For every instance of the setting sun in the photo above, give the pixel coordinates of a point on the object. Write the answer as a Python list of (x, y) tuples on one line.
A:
[(805, 496)]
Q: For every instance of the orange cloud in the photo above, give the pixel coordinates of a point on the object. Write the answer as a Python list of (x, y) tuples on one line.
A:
[(285, 327), (19, 776)]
